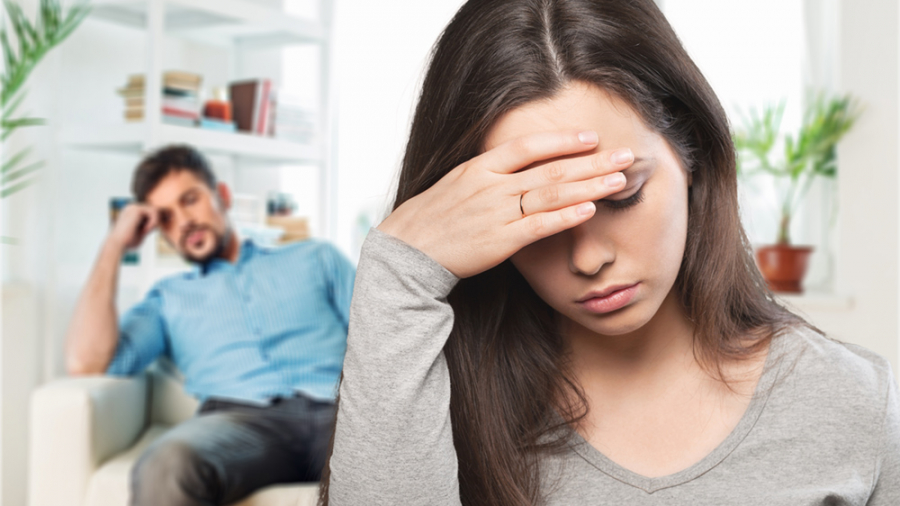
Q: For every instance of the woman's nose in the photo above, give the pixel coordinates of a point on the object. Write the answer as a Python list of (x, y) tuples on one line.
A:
[(590, 250)]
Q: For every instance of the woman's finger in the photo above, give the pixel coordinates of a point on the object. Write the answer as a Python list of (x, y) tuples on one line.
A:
[(579, 168), (553, 197), (538, 226), (524, 151)]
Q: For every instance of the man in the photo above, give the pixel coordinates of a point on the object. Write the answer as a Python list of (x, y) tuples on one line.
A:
[(259, 334)]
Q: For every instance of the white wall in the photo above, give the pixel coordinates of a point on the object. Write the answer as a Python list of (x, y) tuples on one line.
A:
[(793, 44), (867, 261), (750, 76), (378, 69)]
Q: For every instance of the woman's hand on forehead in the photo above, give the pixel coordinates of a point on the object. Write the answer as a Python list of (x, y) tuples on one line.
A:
[(487, 208)]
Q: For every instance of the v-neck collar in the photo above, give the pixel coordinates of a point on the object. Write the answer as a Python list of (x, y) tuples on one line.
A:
[(771, 371)]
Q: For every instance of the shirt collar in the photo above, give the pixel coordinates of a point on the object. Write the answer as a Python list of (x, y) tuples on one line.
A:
[(248, 250)]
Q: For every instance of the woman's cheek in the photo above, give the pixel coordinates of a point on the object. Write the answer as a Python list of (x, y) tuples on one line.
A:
[(544, 265), (671, 234)]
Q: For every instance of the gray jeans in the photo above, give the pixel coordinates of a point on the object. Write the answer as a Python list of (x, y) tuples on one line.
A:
[(229, 450)]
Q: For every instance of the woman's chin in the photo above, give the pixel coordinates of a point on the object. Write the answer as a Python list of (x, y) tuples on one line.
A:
[(615, 323)]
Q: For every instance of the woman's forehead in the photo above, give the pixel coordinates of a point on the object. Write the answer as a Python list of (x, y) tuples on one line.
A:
[(578, 106)]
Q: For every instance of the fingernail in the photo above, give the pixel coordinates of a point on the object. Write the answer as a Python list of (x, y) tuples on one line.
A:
[(622, 156), (614, 180), (585, 209), (588, 137)]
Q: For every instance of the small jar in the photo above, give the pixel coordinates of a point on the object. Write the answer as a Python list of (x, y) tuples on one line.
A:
[(219, 107)]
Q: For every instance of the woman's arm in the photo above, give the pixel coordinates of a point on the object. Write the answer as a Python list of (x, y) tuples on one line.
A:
[(393, 442), (886, 490)]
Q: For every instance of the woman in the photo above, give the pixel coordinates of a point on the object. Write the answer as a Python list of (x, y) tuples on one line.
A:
[(530, 327)]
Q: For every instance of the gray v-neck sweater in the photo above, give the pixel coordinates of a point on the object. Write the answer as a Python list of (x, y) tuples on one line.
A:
[(822, 428)]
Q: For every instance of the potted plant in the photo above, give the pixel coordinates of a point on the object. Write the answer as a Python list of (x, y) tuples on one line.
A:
[(22, 49), (808, 155)]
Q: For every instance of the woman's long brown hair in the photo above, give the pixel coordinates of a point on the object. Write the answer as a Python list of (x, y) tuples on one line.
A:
[(507, 361)]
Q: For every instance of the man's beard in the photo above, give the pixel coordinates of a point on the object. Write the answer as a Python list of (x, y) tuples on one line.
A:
[(219, 243)]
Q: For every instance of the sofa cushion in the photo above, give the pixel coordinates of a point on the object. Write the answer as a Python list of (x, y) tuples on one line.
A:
[(109, 484)]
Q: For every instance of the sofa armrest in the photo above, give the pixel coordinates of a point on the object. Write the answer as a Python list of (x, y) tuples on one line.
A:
[(170, 404), (77, 424)]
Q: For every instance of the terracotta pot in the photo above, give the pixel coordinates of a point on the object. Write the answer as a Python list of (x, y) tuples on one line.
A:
[(783, 266)]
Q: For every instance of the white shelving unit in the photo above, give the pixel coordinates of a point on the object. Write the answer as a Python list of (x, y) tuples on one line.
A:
[(133, 137), (235, 26)]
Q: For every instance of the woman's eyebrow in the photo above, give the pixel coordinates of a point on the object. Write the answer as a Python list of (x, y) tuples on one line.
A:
[(639, 165)]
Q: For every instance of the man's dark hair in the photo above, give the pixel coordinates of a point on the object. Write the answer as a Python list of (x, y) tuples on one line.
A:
[(164, 161)]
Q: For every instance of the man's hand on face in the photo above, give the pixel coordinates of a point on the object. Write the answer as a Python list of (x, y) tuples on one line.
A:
[(133, 224)]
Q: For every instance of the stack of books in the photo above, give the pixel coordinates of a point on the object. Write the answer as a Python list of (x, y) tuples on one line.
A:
[(180, 98), (296, 228), (293, 121)]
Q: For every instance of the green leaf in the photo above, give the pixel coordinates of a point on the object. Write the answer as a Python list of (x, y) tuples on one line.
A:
[(11, 108), (19, 174), (22, 122), (10, 126), (21, 24), (15, 160), (810, 152), (6, 192), (34, 40), (9, 59)]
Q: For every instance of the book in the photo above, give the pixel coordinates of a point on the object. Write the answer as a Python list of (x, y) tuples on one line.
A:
[(180, 113), (173, 76), (294, 120), (179, 92), (178, 87), (177, 75), (214, 124), (181, 110), (243, 98), (264, 103), (296, 228), (131, 92), (179, 121), (134, 114)]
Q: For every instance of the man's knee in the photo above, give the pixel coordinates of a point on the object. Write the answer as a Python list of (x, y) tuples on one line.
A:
[(173, 473)]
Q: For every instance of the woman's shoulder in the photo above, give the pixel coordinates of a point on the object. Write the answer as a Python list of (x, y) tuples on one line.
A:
[(840, 360), (827, 373)]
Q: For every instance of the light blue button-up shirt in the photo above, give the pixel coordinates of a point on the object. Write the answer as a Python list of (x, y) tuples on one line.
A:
[(272, 323)]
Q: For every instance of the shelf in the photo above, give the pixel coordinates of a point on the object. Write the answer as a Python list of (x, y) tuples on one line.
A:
[(220, 22), (131, 137)]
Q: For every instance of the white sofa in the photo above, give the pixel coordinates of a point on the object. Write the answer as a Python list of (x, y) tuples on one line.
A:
[(86, 433)]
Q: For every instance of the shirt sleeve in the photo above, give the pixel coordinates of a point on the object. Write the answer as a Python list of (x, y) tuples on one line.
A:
[(886, 491), (142, 336), (340, 275), (393, 441)]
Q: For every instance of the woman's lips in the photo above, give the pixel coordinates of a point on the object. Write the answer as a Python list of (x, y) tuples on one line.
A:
[(615, 300)]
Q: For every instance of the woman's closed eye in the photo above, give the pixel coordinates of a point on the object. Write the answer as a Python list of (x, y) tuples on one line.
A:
[(622, 204)]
